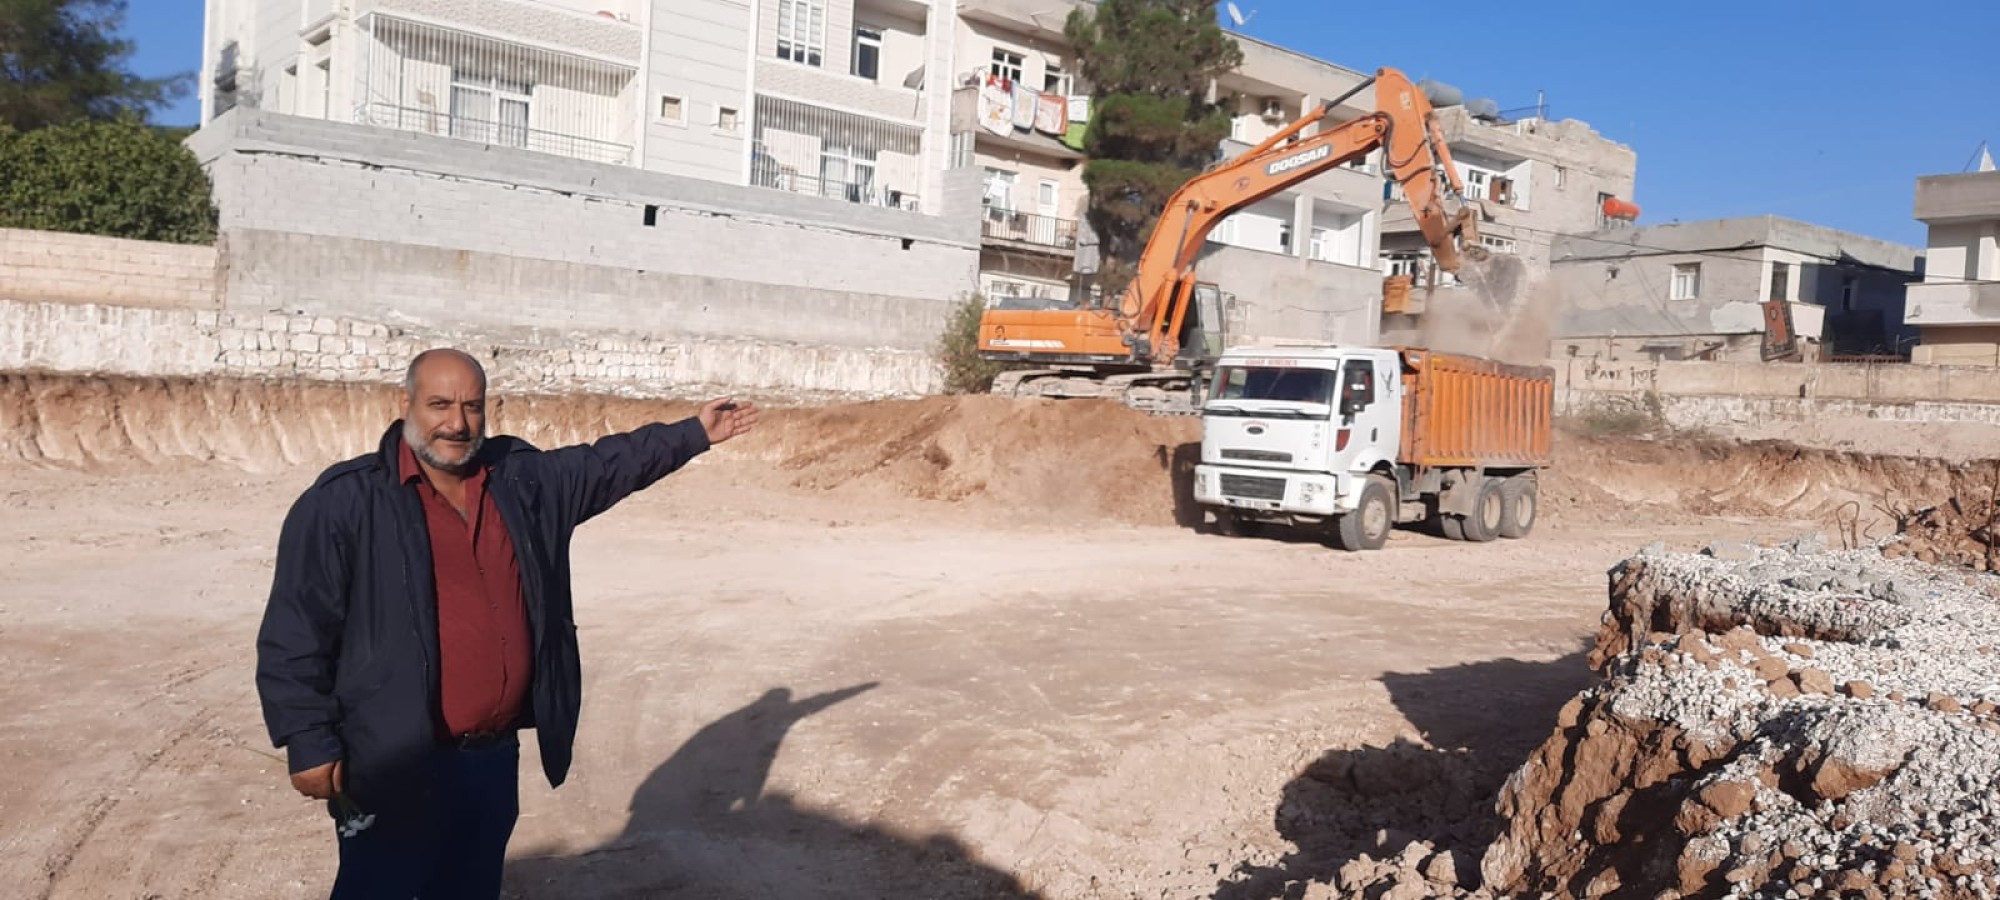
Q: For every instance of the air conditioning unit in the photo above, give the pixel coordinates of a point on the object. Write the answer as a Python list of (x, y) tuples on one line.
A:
[(1273, 109)]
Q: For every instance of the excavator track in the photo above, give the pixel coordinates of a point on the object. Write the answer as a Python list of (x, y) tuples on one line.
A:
[(1154, 393)]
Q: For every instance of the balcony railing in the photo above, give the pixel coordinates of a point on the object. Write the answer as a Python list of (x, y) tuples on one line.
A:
[(499, 134), (867, 193), (1028, 228)]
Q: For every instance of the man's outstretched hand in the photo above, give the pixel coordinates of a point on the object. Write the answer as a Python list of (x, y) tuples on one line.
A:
[(725, 418)]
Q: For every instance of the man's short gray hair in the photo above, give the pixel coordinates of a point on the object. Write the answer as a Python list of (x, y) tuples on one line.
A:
[(410, 372)]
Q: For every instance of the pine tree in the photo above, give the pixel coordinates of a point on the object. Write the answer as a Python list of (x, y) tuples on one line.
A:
[(62, 61), (1152, 127)]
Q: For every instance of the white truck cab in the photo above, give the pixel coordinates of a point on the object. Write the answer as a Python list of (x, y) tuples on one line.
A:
[(1294, 433)]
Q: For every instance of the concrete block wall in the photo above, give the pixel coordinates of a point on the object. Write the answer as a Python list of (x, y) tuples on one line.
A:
[(78, 268), (94, 339), (445, 236), (1719, 395)]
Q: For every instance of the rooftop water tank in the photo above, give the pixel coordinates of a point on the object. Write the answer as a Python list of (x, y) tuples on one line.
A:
[(1440, 94)]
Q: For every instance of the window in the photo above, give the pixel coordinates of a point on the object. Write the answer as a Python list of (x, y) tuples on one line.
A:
[(846, 173), (1357, 390), (802, 31), (1850, 288), (1224, 231), (1562, 177), (1295, 385), (868, 52), (725, 120), (672, 109), (1285, 238), (1475, 184), (999, 189), (1055, 80), (1687, 281), (1320, 247), (1781, 278), (1007, 64), (489, 109), (1497, 244), (1602, 219), (1239, 129)]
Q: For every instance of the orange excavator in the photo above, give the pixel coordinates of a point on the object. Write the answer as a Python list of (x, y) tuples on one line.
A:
[(1138, 350)]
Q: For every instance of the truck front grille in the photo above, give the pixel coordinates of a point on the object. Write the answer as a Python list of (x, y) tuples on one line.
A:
[(1251, 487), (1269, 456)]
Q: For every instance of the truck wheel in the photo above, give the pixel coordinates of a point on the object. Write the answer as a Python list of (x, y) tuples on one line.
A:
[(1367, 527), (1452, 527), (1523, 497), (1489, 513)]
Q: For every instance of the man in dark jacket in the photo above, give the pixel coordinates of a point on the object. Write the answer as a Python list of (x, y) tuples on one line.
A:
[(420, 616)]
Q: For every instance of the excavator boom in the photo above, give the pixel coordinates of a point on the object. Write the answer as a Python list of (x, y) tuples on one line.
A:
[(1142, 330)]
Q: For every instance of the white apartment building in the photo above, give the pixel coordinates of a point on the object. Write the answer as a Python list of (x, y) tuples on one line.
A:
[(841, 101)]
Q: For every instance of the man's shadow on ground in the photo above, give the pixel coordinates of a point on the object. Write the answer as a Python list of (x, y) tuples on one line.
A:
[(703, 825), (1481, 720)]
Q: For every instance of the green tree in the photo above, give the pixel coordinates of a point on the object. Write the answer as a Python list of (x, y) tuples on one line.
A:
[(965, 371), (62, 60), (1150, 64), (119, 178)]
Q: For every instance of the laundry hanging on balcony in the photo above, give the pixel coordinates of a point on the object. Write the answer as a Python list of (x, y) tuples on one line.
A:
[(996, 105), (1024, 106), (1079, 107), (1073, 138), (1052, 114)]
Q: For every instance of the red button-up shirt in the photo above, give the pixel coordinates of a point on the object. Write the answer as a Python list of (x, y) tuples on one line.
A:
[(483, 654)]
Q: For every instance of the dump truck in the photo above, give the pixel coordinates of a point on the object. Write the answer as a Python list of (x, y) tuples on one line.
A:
[(1356, 440)]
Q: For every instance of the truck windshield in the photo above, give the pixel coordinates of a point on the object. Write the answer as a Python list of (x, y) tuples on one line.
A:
[(1274, 383)]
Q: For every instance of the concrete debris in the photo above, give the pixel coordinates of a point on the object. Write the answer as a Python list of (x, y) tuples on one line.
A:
[(1959, 532), (1773, 722)]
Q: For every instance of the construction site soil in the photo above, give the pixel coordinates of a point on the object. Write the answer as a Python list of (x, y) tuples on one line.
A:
[(974, 647)]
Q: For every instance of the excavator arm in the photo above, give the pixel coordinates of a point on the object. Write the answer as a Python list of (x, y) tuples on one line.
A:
[(1143, 328), (1154, 309)]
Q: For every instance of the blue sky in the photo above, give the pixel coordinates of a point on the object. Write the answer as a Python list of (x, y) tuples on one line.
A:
[(1825, 112)]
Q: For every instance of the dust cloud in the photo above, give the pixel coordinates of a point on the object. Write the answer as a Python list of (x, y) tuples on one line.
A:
[(1503, 314)]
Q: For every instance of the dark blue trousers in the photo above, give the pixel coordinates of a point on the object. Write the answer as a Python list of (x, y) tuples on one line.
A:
[(449, 847)]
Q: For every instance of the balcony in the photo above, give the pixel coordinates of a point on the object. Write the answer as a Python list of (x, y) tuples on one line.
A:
[(803, 149), (514, 132), (416, 76), (1952, 303), (1028, 230), (965, 120)]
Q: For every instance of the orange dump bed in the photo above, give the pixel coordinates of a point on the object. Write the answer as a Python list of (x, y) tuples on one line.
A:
[(1467, 411)]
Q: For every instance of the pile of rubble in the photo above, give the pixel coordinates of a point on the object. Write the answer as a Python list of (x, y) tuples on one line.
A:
[(1960, 532), (1773, 722)]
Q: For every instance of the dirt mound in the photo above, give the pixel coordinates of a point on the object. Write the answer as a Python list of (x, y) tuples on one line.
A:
[(97, 422), (1055, 460), (1771, 720), (1857, 498), (1062, 459)]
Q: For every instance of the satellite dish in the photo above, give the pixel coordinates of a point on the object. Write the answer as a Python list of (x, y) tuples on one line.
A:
[(1236, 16)]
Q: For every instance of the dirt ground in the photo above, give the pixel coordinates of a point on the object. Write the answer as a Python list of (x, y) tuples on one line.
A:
[(969, 655)]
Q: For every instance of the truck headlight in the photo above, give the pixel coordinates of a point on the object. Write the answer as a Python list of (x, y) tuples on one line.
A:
[(1309, 492)]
